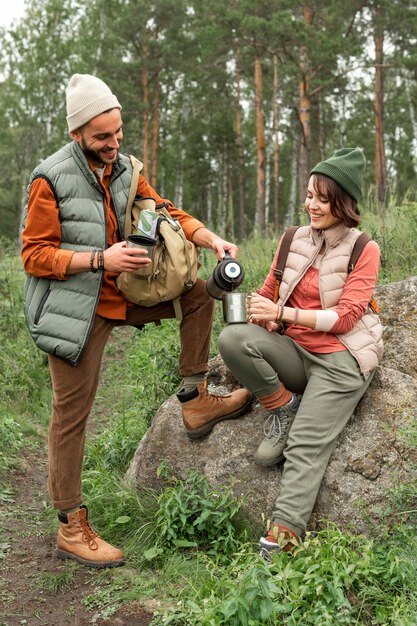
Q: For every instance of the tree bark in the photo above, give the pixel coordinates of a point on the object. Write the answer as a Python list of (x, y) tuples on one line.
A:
[(155, 129), (239, 145), (289, 218), (260, 138), (380, 161), (276, 146), (145, 87), (305, 109)]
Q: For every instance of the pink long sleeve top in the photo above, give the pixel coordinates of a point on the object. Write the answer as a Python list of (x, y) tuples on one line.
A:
[(352, 304)]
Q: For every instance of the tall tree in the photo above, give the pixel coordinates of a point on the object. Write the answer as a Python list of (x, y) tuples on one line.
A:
[(260, 140), (380, 160)]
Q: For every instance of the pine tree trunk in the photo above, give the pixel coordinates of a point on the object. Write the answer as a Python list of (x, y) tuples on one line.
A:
[(305, 110), (179, 172), (145, 87), (260, 138), (155, 129), (230, 227), (276, 146), (411, 108), (380, 162), (239, 144), (289, 218)]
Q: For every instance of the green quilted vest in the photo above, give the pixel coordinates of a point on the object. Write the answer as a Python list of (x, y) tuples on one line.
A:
[(60, 313)]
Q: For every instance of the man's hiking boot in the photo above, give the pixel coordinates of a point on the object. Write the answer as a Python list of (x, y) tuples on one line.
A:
[(276, 428), (201, 410), (278, 538), (78, 541)]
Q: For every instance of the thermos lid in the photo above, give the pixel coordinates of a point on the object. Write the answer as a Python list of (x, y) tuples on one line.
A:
[(232, 270)]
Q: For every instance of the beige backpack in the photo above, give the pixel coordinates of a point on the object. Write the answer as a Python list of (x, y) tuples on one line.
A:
[(175, 264)]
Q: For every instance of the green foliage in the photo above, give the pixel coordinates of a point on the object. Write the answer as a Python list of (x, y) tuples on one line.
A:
[(191, 514), (187, 53), (23, 372), (23, 369), (186, 544), (396, 233), (56, 582), (11, 440), (332, 579)]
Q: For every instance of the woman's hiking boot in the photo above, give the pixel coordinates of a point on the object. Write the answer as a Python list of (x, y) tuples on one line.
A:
[(201, 410), (78, 541), (278, 538), (276, 428)]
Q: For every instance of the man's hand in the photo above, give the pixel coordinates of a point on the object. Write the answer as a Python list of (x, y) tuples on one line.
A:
[(120, 258), (206, 239), (117, 258)]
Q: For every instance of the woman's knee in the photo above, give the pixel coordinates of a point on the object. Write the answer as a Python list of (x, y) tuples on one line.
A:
[(232, 338)]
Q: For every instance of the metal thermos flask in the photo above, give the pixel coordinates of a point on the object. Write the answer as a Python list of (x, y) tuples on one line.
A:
[(226, 276)]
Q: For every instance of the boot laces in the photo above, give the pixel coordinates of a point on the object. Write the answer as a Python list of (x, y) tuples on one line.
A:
[(277, 423), (276, 426), (214, 397), (88, 534)]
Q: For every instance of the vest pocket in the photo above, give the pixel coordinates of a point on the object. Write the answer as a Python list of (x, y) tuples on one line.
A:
[(41, 305)]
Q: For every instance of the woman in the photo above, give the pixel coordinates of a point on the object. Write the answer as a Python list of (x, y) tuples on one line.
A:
[(311, 377)]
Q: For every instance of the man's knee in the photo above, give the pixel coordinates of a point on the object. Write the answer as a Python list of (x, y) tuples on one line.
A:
[(197, 297)]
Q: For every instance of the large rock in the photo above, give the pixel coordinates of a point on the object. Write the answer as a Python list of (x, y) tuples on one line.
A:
[(371, 456)]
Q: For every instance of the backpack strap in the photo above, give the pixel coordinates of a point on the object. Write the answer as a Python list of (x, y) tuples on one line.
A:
[(137, 167), (282, 258), (357, 250)]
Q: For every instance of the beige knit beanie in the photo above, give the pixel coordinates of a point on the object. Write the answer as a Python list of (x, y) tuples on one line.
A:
[(87, 97)]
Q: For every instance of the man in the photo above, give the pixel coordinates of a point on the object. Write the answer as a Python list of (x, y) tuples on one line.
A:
[(72, 250)]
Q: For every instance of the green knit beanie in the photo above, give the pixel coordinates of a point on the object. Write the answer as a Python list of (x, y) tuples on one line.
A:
[(347, 168)]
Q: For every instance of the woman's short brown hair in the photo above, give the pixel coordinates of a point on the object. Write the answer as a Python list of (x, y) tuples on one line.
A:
[(342, 205)]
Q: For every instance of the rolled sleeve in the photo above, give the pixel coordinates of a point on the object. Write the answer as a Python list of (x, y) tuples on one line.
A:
[(41, 236)]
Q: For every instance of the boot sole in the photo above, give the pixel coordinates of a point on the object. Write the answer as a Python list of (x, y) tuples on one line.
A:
[(62, 554), (205, 430)]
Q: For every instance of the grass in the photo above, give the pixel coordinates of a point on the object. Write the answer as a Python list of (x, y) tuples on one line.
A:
[(174, 549)]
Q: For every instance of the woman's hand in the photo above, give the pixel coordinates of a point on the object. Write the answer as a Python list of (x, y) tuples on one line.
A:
[(262, 310), (271, 327)]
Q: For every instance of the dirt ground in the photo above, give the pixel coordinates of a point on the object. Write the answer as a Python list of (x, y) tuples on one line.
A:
[(24, 601)]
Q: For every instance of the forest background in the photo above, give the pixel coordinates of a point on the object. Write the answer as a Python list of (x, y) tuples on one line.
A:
[(228, 104)]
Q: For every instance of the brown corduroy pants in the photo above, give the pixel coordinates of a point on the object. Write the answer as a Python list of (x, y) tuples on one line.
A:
[(74, 388)]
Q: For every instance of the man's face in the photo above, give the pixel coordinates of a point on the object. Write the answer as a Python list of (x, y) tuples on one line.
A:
[(100, 138)]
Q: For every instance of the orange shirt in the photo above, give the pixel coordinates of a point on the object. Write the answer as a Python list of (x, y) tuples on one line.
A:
[(41, 238)]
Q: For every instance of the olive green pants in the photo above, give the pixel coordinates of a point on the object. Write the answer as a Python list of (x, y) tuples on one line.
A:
[(331, 385)]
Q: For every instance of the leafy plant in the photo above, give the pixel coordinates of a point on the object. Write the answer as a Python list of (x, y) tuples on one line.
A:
[(191, 514), (332, 579)]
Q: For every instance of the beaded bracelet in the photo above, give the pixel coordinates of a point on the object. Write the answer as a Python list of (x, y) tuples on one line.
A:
[(280, 314), (101, 260), (92, 257)]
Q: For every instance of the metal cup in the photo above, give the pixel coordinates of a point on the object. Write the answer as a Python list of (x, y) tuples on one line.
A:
[(234, 307), (142, 241)]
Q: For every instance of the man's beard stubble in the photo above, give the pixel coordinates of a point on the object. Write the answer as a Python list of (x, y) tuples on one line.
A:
[(93, 155)]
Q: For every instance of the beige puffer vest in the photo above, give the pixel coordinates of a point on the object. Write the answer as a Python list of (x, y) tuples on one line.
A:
[(364, 341)]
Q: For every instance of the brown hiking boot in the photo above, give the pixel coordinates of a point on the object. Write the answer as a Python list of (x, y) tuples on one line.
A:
[(201, 410), (78, 541), (278, 538)]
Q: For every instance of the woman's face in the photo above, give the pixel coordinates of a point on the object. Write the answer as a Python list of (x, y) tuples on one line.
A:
[(318, 208)]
